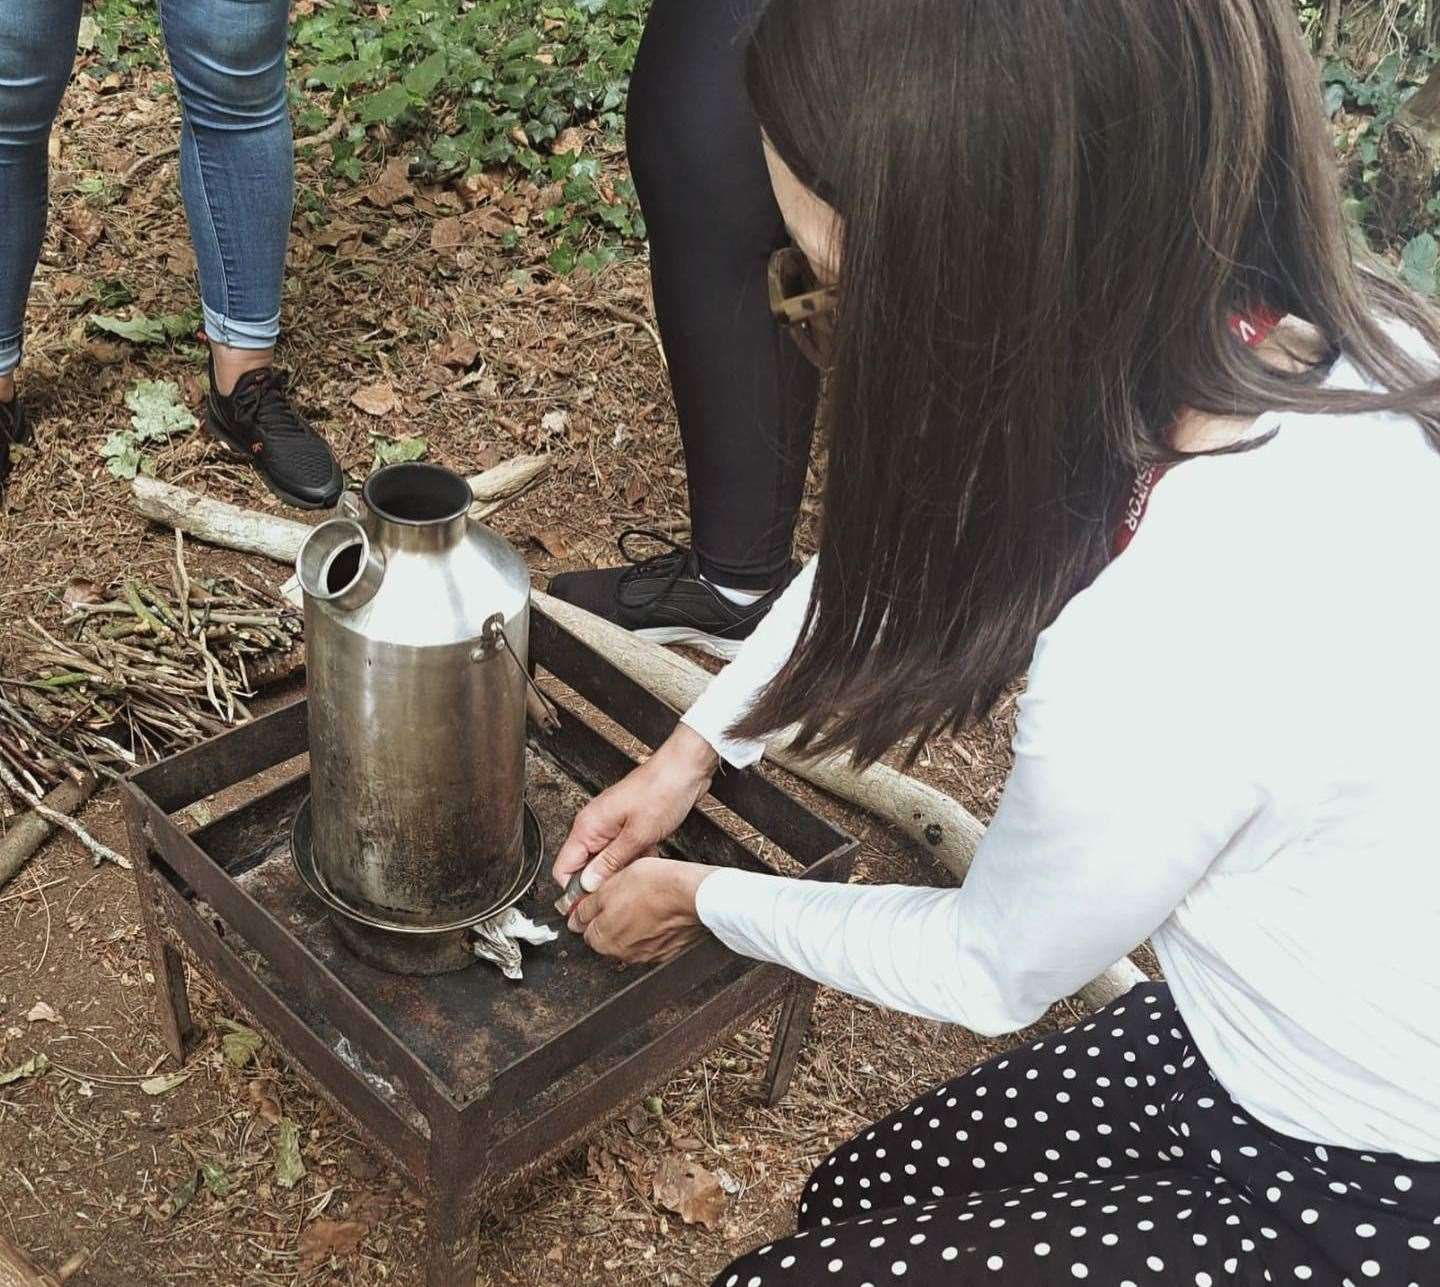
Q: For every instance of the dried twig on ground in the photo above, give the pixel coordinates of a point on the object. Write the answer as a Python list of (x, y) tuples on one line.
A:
[(26, 836), (100, 852), (148, 671)]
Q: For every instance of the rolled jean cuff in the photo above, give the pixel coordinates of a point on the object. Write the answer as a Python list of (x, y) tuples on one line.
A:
[(220, 329), (9, 354)]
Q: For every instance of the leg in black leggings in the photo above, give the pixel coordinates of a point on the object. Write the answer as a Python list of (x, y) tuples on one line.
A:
[(745, 397)]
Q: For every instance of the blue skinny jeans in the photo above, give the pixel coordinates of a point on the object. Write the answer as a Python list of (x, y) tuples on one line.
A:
[(236, 153)]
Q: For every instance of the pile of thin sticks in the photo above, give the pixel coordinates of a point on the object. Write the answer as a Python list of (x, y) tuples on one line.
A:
[(139, 672)]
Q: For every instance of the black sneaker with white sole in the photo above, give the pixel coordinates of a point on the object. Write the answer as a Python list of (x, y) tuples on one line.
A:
[(14, 430), (664, 598), (258, 422)]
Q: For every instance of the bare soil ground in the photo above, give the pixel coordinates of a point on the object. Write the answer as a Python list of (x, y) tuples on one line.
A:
[(93, 1170)]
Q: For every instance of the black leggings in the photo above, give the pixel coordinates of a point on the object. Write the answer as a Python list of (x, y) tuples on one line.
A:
[(745, 397), (1108, 1154)]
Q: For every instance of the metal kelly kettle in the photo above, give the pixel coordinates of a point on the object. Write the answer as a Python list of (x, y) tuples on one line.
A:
[(417, 629)]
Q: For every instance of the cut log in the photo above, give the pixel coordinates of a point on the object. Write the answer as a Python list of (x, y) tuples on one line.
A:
[(17, 1270), (940, 825), (505, 483), (218, 523), (31, 831), (273, 537)]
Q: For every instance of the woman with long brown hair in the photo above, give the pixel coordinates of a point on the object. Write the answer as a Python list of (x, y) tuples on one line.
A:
[(1110, 401)]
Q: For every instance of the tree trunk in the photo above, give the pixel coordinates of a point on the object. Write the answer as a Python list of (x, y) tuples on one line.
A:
[(273, 537)]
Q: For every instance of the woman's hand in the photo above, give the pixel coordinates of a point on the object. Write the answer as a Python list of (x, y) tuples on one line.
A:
[(638, 812), (644, 915)]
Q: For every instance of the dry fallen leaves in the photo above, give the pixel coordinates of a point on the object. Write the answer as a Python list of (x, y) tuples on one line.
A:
[(689, 1190), (337, 235), (459, 351), (267, 1107), (376, 399), (569, 142), (165, 1083), (552, 539), (447, 234), (289, 1165), (79, 591), (84, 225), (41, 1012), (473, 189), (392, 185), (326, 1238)]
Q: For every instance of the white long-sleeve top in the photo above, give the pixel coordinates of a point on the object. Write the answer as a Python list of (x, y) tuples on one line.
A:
[(1228, 744)]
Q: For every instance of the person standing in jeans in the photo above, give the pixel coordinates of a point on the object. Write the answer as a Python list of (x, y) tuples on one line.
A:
[(745, 396), (237, 178)]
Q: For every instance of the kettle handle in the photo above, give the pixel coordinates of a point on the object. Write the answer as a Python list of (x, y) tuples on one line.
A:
[(538, 704), (339, 566)]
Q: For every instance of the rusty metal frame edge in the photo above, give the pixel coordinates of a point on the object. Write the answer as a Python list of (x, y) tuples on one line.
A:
[(300, 1042), (645, 716), (253, 923), (156, 791), (737, 1003), (180, 780)]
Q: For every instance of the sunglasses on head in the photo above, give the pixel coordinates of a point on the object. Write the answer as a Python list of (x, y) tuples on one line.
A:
[(802, 306)]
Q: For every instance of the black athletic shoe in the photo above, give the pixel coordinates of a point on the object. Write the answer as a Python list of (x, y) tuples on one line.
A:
[(257, 422), (14, 429), (665, 599)]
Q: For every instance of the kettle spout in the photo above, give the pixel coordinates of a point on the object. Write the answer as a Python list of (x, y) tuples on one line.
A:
[(339, 566)]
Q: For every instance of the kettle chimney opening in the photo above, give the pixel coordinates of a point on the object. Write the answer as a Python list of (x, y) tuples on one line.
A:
[(343, 570), (417, 494)]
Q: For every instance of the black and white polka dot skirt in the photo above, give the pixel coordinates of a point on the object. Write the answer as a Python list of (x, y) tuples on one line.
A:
[(1108, 1154)]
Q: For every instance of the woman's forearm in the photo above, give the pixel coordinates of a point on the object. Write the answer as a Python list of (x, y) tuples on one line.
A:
[(734, 689)]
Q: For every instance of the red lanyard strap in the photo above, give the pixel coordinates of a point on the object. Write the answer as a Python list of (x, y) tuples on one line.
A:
[(1253, 328)]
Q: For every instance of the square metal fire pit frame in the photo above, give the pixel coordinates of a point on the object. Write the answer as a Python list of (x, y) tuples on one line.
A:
[(460, 1147)]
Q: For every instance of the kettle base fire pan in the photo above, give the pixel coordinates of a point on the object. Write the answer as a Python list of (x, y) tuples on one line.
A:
[(403, 946), (465, 1081)]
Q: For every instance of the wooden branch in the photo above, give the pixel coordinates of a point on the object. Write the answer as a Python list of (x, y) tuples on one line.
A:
[(329, 134), (31, 831), (1330, 40), (215, 522), (1422, 110), (273, 537), (17, 1270), (505, 483), (940, 825), (139, 166), (98, 852)]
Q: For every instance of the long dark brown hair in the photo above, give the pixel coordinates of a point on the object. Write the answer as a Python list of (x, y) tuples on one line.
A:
[(1049, 210)]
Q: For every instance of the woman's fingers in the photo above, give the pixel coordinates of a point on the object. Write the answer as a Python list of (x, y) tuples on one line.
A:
[(573, 856), (595, 826), (584, 912), (629, 845), (645, 914)]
